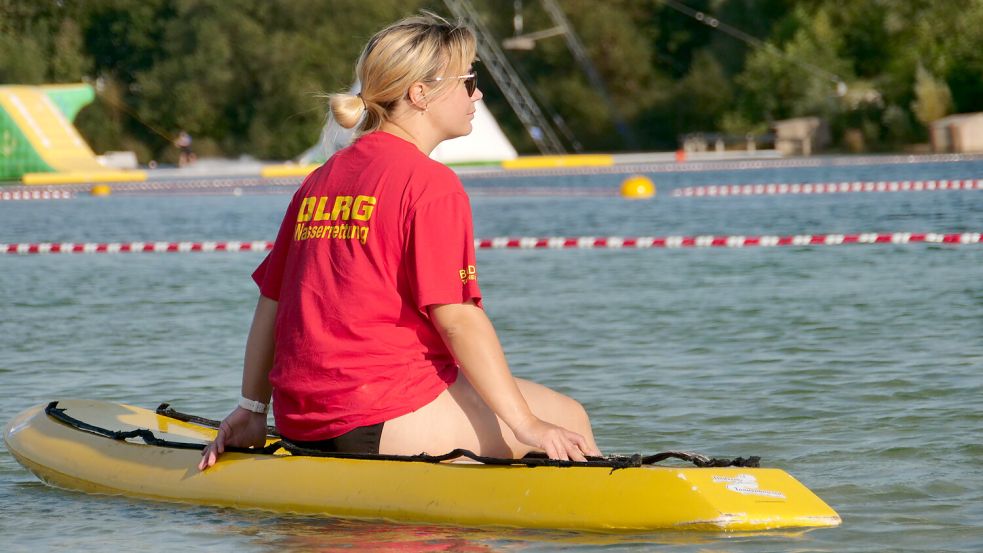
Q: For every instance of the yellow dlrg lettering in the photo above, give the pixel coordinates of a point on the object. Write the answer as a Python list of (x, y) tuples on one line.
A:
[(319, 213), (306, 209), (342, 208), (363, 208)]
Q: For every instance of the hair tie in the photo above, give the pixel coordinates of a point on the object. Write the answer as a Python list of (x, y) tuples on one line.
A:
[(364, 104)]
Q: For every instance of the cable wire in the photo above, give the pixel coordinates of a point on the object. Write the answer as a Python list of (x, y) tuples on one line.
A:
[(750, 40)]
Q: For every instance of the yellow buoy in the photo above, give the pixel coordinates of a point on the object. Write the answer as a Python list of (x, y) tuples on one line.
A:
[(101, 190), (637, 187)]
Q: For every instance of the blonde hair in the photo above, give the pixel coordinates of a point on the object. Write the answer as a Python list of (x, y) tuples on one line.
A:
[(417, 48)]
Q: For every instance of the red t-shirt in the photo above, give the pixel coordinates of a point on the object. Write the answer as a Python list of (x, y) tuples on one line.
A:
[(370, 239)]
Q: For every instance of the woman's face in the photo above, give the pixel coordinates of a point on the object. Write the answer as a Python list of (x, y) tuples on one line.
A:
[(452, 112)]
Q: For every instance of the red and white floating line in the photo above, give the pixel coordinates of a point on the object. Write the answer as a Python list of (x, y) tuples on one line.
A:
[(218, 184), (710, 241), (135, 247), (582, 242), (9, 195), (828, 188)]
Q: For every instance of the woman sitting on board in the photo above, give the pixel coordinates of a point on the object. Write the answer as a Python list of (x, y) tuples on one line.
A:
[(369, 333)]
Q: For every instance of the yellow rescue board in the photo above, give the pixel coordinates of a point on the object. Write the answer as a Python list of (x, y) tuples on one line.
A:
[(570, 498)]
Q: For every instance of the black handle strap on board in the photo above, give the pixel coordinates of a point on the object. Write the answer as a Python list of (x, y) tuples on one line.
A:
[(614, 462), (148, 437), (698, 459), (165, 410)]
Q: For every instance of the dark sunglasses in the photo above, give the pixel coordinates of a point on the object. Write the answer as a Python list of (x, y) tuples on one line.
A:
[(470, 81)]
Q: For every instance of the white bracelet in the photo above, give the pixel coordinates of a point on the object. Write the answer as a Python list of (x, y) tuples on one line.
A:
[(253, 405)]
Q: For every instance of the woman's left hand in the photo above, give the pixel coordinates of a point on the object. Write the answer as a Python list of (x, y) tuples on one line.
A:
[(556, 441), (241, 428)]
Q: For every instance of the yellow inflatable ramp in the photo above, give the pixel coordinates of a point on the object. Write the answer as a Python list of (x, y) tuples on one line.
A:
[(37, 135), (103, 447)]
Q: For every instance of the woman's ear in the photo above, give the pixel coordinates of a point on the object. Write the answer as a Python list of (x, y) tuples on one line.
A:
[(417, 96)]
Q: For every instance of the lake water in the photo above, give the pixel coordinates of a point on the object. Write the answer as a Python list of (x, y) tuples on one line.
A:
[(857, 369)]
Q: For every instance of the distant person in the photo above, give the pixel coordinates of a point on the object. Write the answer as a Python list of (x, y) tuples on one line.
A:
[(183, 143), (369, 333)]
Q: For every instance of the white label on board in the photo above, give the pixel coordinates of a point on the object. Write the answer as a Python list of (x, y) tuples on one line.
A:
[(746, 484)]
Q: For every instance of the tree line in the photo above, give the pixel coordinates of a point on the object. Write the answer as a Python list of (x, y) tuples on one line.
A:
[(248, 76)]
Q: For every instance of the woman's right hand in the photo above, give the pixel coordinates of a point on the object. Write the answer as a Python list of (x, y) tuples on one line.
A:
[(556, 441), (241, 428)]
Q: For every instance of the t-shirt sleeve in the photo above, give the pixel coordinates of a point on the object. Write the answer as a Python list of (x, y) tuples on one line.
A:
[(441, 253), (269, 275)]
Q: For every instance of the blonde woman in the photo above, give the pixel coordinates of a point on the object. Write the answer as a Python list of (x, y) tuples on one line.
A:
[(369, 333)]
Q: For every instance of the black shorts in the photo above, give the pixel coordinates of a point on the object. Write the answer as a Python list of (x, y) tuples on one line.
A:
[(364, 439)]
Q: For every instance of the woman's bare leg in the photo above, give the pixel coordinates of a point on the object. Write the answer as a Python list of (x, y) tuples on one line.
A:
[(459, 418), (559, 409)]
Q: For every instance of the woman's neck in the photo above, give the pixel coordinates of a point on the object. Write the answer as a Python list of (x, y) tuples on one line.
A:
[(419, 133)]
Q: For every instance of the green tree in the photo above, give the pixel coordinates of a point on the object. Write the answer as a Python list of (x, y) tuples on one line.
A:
[(22, 60), (964, 70), (932, 98), (40, 42), (68, 61), (798, 77), (188, 88), (702, 96)]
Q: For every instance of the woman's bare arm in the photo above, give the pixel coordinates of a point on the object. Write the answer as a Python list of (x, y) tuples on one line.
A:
[(469, 334), (244, 428)]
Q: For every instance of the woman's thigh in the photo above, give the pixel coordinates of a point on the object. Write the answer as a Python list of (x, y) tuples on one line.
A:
[(459, 418)]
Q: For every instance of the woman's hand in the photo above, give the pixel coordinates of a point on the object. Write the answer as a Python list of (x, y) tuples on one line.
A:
[(557, 442), (241, 428)]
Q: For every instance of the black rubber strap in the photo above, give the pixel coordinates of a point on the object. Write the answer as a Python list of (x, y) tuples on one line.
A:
[(528, 461), (148, 437), (702, 461), (614, 462), (165, 410)]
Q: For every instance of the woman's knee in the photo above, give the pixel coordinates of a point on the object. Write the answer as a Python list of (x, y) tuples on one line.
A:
[(580, 420), (549, 404)]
